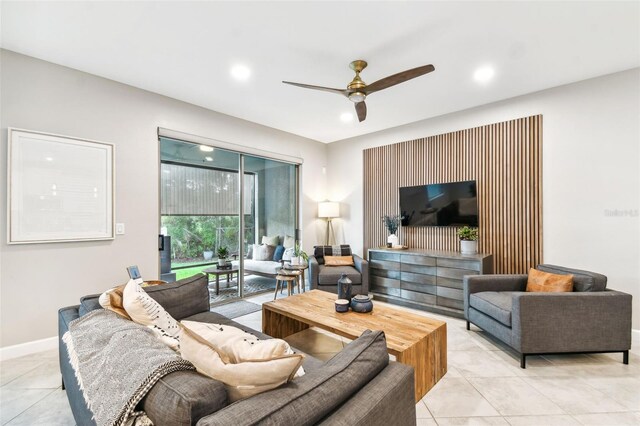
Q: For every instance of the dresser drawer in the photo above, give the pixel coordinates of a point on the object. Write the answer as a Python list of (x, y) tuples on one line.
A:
[(418, 297), (379, 255), (450, 303), (449, 282), (384, 264), (449, 293), (418, 260), (385, 273), (418, 278), (420, 269), (420, 288), (459, 264), (455, 273)]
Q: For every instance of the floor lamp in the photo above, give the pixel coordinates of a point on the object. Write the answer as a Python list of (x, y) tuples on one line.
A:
[(328, 210)]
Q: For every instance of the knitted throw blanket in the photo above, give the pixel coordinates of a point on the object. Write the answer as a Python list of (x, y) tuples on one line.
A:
[(116, 362)]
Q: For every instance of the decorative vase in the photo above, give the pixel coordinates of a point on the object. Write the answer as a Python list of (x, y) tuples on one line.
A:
[(344, 287), (207, 254), (361, 303), (393, 239), (468, 247)]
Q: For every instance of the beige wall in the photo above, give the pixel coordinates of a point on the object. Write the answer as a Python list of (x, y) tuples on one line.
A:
[(37, 279), (591, 164)]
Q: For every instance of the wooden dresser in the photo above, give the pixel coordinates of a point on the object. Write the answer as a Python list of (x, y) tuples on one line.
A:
[(424, 279)]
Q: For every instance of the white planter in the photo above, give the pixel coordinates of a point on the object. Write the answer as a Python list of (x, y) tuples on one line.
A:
[(222, 262), (393, 239), (295, 260), (208, 255), (468, 247)]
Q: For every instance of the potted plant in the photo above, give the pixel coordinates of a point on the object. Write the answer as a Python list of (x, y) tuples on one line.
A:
[(207, 244), (392, 222), (223, 253), (299, 255), (468, 240)]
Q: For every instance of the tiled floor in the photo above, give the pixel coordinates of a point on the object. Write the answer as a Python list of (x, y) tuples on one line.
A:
[(484, 384)]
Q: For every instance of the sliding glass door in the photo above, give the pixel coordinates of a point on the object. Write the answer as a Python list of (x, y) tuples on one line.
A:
[(201, 197)]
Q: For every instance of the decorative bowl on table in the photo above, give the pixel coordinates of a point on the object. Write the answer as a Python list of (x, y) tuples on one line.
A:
[(361, 303), (342, 305)]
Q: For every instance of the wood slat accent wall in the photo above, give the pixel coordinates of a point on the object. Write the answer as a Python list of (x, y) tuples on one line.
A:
[(506, 161)]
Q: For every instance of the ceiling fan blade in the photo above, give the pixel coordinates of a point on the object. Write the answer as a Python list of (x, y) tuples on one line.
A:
[(325, 89), (361, 109), (398, 78)]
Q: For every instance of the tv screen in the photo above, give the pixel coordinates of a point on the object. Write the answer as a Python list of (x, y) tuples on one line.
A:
[(440, 204)]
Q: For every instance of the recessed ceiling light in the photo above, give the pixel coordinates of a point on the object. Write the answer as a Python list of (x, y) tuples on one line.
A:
[(240, 72), (346, 117), (49, 159), (206, 148), (208, 158), (484, 74)]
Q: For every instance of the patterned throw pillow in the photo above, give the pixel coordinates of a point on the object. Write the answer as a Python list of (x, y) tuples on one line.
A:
[(144, 310), (288, 254), (320, 251), (539, 281), (112, 300), (246, 365)]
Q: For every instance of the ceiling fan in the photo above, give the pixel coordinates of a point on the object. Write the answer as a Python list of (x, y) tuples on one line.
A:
[(358, 90)]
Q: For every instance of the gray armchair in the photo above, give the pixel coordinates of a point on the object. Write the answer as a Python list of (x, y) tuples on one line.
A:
[(590, 319), (326, 278)]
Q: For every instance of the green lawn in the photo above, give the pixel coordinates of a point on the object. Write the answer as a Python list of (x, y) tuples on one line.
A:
[(187, 272)]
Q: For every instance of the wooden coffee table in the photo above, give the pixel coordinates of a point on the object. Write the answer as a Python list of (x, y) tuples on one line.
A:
[(415, 340)]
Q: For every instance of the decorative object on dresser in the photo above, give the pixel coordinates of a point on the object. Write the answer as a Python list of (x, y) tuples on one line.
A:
[(468, 240), (589, 319), (424, 279), (329, 210), (392, 222)]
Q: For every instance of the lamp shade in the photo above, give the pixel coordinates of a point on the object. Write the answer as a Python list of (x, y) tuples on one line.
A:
[(328, 209)]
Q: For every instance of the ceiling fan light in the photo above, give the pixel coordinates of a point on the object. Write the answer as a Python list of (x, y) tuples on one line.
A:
[(357, 97)]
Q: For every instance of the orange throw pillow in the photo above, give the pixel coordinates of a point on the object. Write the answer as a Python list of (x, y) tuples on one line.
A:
[(338, 261), (539, 281)]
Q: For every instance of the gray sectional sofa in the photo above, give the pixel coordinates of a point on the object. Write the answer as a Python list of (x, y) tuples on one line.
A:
[(589, 319), (358, 386)]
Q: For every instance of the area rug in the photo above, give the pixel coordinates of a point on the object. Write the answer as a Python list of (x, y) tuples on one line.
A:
[(253, 284), (236, 309)]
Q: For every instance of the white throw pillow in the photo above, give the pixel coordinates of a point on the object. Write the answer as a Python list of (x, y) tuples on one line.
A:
[(143, 309), (289, 242), (271, 241), (246, 365)]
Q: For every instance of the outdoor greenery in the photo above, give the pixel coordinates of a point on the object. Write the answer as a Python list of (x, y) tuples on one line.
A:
[(192, 235), (467, 233)]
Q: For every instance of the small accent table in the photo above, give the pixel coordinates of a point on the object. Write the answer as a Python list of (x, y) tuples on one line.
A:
[(301, 268), (289, 277), (214, 270)]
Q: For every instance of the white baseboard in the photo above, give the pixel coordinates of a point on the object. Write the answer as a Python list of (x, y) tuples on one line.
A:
[(28, 348), (635, 338)]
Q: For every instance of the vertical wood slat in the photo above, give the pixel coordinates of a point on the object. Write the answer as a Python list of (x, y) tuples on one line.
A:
[(505, 159)]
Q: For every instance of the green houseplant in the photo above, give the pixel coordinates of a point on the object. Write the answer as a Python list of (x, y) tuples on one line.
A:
[(468, 240), (223, 253), (299, 255)]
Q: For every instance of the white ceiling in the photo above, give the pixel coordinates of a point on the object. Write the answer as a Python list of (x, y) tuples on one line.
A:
[(185, 49)]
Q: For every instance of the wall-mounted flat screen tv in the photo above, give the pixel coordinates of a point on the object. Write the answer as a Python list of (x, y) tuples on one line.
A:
[(440, 204)]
